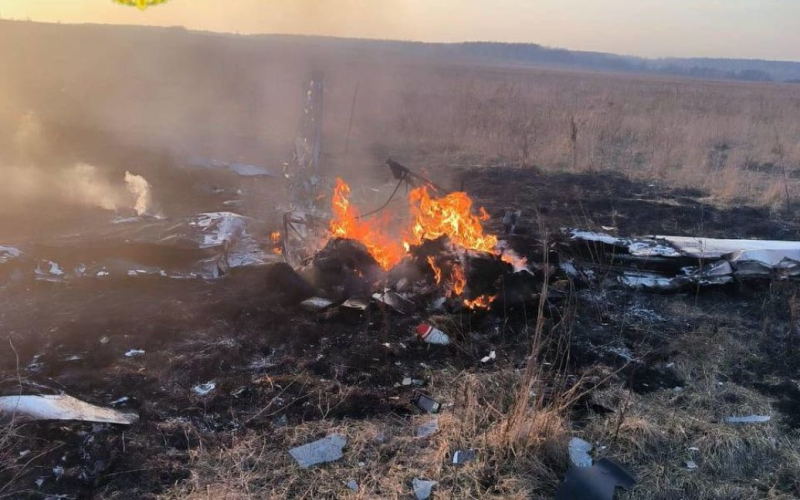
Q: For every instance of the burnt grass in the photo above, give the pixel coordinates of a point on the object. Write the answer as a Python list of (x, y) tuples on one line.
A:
[(276, 365)]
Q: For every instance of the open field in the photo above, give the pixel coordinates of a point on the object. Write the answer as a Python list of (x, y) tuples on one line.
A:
[(647, 378)]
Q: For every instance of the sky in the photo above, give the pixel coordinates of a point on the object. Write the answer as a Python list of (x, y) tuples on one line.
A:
[(763, 29)]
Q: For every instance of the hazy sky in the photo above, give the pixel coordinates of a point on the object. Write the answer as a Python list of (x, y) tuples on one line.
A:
[(768, 29)]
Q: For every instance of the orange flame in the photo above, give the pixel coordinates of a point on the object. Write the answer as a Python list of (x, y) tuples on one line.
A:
[(449, 216), (346, 224), (482, 302), (437, 272), (459, 281), (277, 247)]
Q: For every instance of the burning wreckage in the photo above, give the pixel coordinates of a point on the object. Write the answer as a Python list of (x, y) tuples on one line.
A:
[(434, 256)]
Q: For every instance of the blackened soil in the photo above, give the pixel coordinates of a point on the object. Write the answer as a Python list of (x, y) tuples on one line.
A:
[(274, 364)]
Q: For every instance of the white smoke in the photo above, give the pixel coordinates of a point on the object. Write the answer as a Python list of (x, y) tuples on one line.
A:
[(80, 185), (139, 187)]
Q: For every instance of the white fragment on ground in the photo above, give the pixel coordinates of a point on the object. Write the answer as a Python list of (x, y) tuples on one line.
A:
[(58, 471), (750, 419), (428, 429), (123, 399), (323, 450), (61, 407), (134, 352), (8, 253), (579, 452), (492, 355), (352, 485), (24, 454), (690, 465), (204, 389), (422, 488), (407, 381), (39, 482)]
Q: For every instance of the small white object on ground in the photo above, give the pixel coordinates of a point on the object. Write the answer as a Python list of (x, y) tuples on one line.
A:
[(492, 355), (323, 450), (422, 488), (690, 465), (204, 389), (352, 484), (579, 452), (134, 352)]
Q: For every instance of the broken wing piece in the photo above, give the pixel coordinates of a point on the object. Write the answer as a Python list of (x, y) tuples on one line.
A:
[(59, 407)]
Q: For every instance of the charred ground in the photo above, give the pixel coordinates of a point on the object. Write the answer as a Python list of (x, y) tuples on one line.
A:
[(649, 376)]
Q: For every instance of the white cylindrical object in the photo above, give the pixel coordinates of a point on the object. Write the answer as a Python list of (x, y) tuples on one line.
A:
[(432, 335)]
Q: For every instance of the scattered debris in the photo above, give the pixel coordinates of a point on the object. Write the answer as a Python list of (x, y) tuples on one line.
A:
[(316, 304), (134, 352), (751, 419), (352, 484), (492, 355), (324, 450), (123, 399), (395, 301), (690, 465), (597, 482), (579, 452), (463, 456), (422, 488), (204, 389), (60, 407), (427, 404), (428, 429), (432, 335)]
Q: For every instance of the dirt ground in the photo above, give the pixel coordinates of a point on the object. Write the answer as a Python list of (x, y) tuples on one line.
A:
[(648, 377)]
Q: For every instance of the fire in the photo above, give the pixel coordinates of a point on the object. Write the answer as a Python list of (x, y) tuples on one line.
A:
[(437, 272), (346, 224), (449, 216), (482, 302), (277, 246), (459, 281)]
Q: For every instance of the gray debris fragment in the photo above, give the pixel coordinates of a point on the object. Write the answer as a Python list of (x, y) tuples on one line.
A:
[(427, 404), (463, 456), (422, 488), (579, 452), (690, 465), (395, 301), (597, 482), (323, 450), (750, 419), (134, 352), (315, 304), (428, 429), (352, 484)]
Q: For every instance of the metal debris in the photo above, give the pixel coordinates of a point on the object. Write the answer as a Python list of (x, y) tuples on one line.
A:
[(422, 488), (352, 484), (579, 452), (690, 465), (134, 352), (323, 450), (428, 429), (60, 407), (427, 404), (598, 482), (395, 301), (750, 419), (316, 304), (461, 457)]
